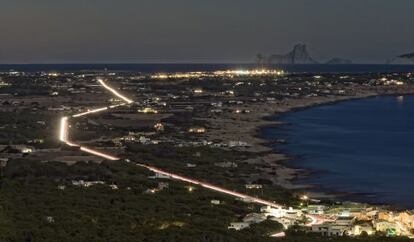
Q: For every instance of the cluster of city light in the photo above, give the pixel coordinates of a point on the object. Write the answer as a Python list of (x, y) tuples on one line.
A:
[(386, 81), (147, 110), (4, 84), (254, 72), (63, 137), (53, 74), (178, 75), (224, 73)]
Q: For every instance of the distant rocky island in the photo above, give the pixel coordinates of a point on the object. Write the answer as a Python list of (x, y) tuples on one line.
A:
[(406, 59), (299, 55)]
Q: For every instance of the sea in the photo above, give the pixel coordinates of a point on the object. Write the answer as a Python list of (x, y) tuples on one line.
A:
[(363, 148)]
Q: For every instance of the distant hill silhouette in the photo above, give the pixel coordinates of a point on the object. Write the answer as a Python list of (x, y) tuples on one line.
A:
[(405, 59)]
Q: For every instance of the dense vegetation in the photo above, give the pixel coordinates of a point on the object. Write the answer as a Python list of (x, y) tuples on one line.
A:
[(294, 235), (32, 208), (171, 158), (19, 127)]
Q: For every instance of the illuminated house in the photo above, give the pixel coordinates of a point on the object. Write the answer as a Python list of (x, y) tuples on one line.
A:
[(198, 91), (147, 110), (239, 225), (198, 130)]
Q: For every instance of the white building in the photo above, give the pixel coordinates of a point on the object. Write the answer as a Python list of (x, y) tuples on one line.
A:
[(316, 209), (359, 229), (330, 229), (254, 218), (253, 186), (274, 212), (238, 225), (286, 222), (215, 202), (24, 149)]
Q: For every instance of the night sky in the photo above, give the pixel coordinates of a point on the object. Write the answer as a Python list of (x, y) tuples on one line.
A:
[(150, 31)]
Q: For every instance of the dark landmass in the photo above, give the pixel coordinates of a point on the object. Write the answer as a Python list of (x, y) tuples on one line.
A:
[(299, 55), (339, 61), (204, 126), (405, 59)]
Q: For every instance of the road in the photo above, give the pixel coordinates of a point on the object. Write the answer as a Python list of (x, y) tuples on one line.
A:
[(64, 137)]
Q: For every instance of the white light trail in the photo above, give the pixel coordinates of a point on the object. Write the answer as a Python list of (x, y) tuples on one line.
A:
[(97, 153), (90, 112), (117, 105), (63, 137), (63, 134), (116, 93), (63, 129), (211, 187), (97, 110)]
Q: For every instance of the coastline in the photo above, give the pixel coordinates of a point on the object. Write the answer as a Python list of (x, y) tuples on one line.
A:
[(275, 165), (319, 191)]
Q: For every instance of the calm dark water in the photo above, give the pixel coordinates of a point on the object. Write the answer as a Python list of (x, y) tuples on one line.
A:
[(361, 146), (208, 67)]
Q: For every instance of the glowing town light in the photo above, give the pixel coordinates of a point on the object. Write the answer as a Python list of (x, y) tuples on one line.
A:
[(147, 110), (198, 91), (53, 74), (116, 93), (255, 72), (160, 76)]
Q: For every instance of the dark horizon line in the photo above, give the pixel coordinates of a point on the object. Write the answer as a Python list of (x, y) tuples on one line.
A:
[(188, 63)]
